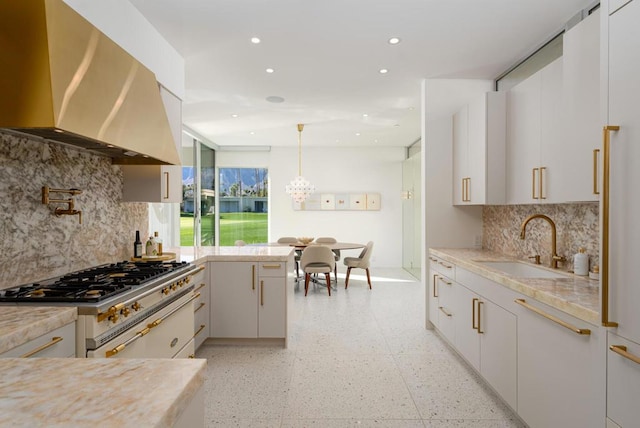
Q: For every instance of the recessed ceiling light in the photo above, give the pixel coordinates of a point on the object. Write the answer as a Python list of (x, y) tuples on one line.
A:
[(383, 71), (365, 115), (234, 115), (357, 134), (252, 133), (394, 41), (255, 40), (269, 70), (411, 108), (275, 99)]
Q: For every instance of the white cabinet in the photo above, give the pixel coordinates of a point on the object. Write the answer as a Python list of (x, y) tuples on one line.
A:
[(486, 338), (560, 368), (201, 305), (249, 300), (441, 298), (60, 342), (623, 381), (479, 133), (534, 138), (624, 233), (157, 183), (582, 128)]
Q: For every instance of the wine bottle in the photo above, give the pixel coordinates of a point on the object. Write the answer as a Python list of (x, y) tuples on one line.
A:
[(137, 246)]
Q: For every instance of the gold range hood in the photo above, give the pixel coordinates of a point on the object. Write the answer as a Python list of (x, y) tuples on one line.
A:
[(61, 79)]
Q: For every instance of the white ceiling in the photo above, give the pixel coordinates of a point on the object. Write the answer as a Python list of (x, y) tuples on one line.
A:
[(327, 55)]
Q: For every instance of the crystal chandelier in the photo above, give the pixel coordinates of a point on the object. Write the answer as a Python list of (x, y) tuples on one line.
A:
[(299, 188)]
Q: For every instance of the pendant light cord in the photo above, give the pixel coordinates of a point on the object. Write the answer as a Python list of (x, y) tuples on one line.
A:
[(300, 128)]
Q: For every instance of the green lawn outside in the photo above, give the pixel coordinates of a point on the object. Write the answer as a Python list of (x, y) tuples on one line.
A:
[(250, 227)]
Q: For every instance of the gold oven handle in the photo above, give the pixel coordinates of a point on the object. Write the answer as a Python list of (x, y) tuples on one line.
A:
[(604, 262), (583, 331)]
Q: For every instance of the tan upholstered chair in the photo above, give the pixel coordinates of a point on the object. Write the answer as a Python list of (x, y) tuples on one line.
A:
[(329, 240), (292, 240), (317, 259), (361, 262)]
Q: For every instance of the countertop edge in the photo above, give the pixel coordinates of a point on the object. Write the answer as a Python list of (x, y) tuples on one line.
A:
[(519, 284), (47, 319)]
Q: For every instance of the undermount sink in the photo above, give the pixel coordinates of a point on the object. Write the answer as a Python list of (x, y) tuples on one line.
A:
[(522, 270)]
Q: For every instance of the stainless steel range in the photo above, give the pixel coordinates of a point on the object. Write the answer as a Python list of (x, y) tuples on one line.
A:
[(126, 309)]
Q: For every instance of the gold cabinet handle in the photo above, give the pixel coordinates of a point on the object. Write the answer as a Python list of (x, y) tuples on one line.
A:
[(464, 182), (583, 331), (202, 326), (604, 262), (166, 189), (199, 307), (533, 183), (435, 285), (541, 185), (41, 348), (200, 287), (446, 265), (271, 266), (440, 278), (253, 277), (468, 189), (473, 313), (261, 293), (622, 350), (443, 311), (596, 152), (480, 302)]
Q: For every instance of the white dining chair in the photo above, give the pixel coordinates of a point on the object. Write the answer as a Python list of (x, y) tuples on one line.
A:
[(336, 253), (360, 262), (317, 259)]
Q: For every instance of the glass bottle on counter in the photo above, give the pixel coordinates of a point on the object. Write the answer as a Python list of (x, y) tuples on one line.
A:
[(137, 246), (158, 243), (150, 248)]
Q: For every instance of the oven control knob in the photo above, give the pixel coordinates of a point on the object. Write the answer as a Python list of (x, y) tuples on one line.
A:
[(188, 279), (165, 291), (125, 312), (113, 318), (136, 306), (174, 286)]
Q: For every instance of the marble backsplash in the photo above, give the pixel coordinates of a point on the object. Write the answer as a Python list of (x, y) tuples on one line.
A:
[(34, 243), (577, 225)]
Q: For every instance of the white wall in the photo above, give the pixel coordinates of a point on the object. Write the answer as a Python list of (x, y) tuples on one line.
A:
[(331, 170), (127, 27)]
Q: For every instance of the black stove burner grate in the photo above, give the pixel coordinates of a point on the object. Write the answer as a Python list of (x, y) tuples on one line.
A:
[(93, 284)]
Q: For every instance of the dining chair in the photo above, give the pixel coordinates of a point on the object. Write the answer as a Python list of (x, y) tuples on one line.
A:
[(361, 262), (292, 240), (317, 259), (329, 240)]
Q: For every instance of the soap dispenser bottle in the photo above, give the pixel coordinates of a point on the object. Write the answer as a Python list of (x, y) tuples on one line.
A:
[(581, 262)]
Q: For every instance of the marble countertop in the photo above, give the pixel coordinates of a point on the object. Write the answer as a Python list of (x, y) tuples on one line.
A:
[(575, 295), (78, 392), (260, 253), (20, 324)]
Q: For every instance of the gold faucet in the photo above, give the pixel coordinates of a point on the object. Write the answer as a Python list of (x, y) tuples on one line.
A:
[(555, 258)]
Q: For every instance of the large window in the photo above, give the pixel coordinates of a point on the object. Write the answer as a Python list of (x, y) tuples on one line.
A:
[(243, 205)]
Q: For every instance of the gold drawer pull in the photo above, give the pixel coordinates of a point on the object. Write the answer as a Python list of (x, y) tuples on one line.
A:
[(202, 326), (622, 350), (443, 311), (41, 348), (200, 287), (444, 280), (278, 266), (199, 307), (446, 265), (584, 331)]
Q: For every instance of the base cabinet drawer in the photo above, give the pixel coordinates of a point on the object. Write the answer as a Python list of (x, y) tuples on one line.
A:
[(623, 381), (60, 342)]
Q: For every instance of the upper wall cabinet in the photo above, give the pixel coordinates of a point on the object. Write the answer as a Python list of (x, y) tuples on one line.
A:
[(582, 130), (533, 137), (479, 131), (157, 183)]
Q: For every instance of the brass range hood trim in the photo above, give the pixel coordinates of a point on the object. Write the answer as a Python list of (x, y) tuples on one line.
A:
[(64, 81)]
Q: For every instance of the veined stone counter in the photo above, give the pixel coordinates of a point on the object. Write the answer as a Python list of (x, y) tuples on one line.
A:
[(20, 324), (258, 253), (575, 295), (78, 392)]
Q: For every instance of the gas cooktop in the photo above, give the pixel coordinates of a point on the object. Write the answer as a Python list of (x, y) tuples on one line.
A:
[(93, 284)]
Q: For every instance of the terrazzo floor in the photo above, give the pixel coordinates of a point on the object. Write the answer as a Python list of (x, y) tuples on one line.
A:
[(358, 358)]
